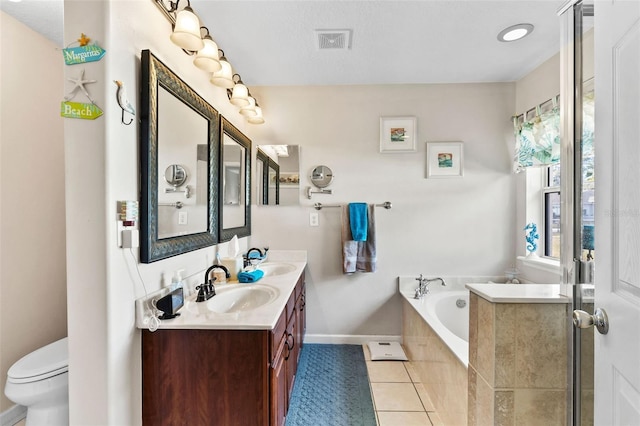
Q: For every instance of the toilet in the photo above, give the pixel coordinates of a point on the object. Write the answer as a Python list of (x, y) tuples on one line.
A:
[(40, 382)]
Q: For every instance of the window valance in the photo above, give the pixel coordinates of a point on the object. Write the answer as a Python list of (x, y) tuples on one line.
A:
[(537, 136)]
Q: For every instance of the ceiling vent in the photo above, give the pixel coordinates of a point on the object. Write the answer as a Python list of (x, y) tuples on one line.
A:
[(333, 39)]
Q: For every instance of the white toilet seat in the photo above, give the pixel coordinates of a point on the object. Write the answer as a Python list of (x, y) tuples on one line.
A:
[(48, 361)]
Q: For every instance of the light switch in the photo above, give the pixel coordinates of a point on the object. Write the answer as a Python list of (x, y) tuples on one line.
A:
[(314, 219), (183, 218)]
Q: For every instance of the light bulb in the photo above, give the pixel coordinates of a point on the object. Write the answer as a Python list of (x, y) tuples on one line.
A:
[(240, 95), (258, 118), (224, 76), (207, 58), (186, 32), (250, 109)]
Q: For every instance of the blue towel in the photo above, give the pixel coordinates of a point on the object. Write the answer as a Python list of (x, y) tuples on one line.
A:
[(358, 221), (250, 276)]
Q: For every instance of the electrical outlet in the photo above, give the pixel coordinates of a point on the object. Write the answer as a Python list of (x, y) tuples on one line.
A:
[(130, 238), (314, 219)]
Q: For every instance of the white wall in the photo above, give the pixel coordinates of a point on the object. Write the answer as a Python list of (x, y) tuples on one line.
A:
[(33, 309), (436, 226), (102, 168)]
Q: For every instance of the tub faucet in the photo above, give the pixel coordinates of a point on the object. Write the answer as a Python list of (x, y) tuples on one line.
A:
[(206, 290), (423, 285)]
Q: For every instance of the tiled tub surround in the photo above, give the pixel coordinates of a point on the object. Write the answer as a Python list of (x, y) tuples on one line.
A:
[(518, 339), (437, 354)]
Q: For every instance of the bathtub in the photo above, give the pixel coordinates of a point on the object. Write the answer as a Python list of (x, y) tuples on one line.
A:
[(448, 321), (435, 334), (440, 311)]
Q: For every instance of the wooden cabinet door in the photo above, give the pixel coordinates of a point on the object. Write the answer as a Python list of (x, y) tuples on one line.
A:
[(279, 388), (301, 320), (291, 355)]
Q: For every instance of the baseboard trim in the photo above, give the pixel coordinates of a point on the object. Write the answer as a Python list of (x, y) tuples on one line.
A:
[(13, 415), (349, 339)]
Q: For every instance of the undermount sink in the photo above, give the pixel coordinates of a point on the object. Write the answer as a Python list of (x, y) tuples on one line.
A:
[(272, 268), (241, 298)]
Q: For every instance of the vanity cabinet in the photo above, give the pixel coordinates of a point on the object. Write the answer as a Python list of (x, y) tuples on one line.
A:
[(287, 338), (223, 377)]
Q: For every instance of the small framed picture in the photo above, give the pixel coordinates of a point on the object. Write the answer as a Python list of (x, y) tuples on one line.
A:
[(445, 159), (397, 134)]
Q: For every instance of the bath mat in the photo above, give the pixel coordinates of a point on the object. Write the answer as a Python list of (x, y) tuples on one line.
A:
[(386, 351), (331, 388)]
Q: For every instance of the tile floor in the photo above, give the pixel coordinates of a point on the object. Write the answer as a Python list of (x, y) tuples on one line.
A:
[(398, 396)]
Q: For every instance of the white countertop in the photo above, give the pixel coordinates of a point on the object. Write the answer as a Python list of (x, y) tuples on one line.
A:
[(196, 315), (519, 293)]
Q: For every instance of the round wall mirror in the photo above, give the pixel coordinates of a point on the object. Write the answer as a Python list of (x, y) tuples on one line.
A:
[(175, 175), (321, 176)]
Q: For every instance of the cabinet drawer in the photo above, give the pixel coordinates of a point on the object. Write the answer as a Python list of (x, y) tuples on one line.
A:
[(291, 304), (299, 285), (278, 335)]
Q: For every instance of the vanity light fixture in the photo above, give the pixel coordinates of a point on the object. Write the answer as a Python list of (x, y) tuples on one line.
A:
[(187, 34), (186, 30), (515, 32), (240, 94), (207, 58), (250, 109), (258, 118), (224, 76)]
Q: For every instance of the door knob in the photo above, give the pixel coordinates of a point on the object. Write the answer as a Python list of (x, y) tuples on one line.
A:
[(582, 319)]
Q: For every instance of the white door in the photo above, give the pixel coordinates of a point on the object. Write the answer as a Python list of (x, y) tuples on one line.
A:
[(617, 276)]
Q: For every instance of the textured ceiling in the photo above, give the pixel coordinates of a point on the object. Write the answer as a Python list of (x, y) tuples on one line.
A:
[(393, 42)]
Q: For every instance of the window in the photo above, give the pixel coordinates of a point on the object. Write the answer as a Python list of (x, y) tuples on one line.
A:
[(551, 192), (588, 173), (551, 209)]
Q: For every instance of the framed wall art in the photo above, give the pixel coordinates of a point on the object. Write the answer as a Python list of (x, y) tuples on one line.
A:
[(445, 159), (397, 134)]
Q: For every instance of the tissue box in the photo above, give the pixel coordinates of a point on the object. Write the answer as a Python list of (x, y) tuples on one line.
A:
[(234, 265)]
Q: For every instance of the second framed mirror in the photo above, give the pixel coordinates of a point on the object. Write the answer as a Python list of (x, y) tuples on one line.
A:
[(235, 182)]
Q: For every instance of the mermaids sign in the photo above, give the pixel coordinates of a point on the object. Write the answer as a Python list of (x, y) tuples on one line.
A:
[(83, 54)]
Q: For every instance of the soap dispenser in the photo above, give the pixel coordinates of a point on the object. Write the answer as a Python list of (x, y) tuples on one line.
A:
[(176, 280)]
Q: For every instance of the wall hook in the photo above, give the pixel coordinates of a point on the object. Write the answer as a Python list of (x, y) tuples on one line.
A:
[(123, 101)]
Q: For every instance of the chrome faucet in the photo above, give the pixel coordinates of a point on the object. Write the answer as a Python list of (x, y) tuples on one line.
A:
[(206, 290), (423, 285)]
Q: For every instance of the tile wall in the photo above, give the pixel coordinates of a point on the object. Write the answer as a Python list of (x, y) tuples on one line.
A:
[(517, 363), (441, 373)]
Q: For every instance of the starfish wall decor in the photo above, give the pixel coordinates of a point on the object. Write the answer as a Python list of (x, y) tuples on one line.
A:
[(79, 85)]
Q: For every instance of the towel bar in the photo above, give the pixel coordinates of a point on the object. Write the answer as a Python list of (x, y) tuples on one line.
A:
[(319, 206)]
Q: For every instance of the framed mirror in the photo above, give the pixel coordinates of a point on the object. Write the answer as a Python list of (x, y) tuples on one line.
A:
[(179, 138), (267, 180), (273, 183), (235, 182), (285, 183)]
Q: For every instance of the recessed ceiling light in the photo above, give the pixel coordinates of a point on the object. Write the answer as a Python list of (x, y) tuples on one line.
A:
[(515, 32)]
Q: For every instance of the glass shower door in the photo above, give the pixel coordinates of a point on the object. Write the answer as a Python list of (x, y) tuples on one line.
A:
[(578, 198)]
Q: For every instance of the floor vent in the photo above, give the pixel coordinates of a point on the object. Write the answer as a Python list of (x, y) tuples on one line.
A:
[(333, 39)]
